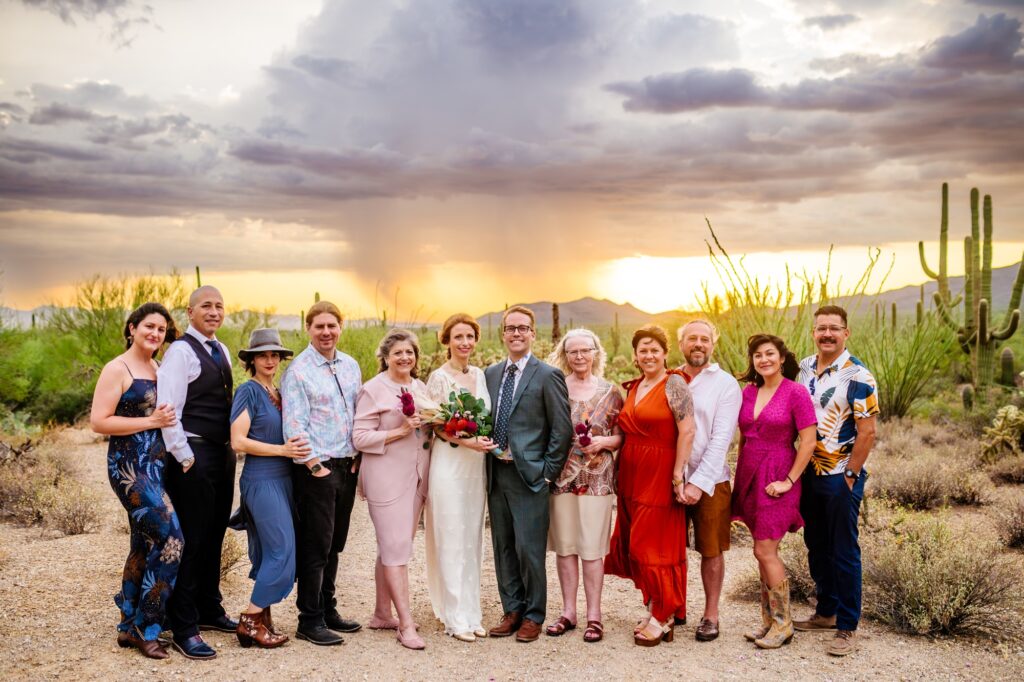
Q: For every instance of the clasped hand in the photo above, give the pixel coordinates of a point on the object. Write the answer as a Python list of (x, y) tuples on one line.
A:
[(164, 416), (297, 446), (778, 488)]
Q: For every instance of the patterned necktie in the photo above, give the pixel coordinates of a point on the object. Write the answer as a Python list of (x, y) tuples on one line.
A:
[(215, 353), (508, 389)]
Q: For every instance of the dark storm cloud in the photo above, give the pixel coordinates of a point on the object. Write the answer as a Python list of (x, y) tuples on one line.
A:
[(990, 45), (30, 151), (57, 112), (692, 89), (831, 22)]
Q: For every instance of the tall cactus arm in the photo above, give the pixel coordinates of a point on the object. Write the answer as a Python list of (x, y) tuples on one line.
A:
[(1018, 286), (986, 250), (944, 312), (1010, 328), (983, 337), (924, 263)]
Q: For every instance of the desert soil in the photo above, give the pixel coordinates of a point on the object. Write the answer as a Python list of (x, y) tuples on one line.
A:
[(57, 620)]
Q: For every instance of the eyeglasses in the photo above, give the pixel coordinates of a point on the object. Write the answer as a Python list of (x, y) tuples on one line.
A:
[(580, 352), (828, 328), (523, 329)]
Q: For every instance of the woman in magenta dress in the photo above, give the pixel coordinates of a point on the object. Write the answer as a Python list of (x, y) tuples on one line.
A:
[(766, 497)]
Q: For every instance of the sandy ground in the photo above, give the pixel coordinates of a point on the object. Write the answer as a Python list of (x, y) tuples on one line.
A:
[(57, 620)]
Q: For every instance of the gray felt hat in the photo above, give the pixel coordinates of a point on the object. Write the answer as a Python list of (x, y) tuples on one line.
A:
[(263, 340)]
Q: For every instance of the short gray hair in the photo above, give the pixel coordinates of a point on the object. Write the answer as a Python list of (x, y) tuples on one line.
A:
[(559, 359), (698, 320)]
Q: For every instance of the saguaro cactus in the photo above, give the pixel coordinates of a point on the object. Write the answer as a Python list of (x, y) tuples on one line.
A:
[(940, 276), (199, 279), (978, 336), (1006, 373), (556, 330)]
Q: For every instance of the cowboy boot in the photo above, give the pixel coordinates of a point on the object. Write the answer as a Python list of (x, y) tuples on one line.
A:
[(766, 618), (268, 619), (253, 628), (781, 630)]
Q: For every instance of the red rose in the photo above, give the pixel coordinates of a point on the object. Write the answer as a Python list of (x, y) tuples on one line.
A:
[(472, 427), (463, 423)]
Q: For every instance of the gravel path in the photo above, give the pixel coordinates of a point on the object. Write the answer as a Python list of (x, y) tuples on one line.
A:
[(57, 620)]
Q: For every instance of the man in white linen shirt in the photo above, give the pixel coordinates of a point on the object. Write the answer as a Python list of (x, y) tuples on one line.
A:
[(716, 408)]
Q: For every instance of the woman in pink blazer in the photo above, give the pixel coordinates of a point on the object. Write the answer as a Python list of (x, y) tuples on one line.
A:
[(393, 476)]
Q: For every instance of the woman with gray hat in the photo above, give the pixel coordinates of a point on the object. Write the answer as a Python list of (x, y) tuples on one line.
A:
[(265, 485)]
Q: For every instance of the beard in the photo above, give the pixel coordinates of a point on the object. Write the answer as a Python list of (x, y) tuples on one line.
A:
[(696, 363)]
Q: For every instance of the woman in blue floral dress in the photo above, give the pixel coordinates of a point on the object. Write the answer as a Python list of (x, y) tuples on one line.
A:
[(124, 408)]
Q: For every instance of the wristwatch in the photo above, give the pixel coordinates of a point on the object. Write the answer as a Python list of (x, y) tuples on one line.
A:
[(315, 469), (850, 473), (188, 462)]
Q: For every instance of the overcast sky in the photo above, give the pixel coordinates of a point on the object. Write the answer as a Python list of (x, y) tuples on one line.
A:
[(477, 152)]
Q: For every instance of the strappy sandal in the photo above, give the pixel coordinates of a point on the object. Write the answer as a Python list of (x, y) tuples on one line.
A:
[(559, 627), (643, 639), (594, 631)]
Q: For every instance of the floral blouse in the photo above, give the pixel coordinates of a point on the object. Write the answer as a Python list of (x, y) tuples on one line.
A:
[(596, 476)]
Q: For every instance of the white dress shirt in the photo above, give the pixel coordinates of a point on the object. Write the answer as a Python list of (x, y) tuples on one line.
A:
[(180, 368), (716, 410)]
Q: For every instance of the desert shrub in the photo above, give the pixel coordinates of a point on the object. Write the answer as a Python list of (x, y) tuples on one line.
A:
[(1004, 435), (1011, 525), (72, 510), (1008, 470), (922, 578), (231, 552), (930, 480)]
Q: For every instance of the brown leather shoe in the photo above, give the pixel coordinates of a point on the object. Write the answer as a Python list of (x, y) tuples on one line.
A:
[(815, 623), (843, 644), (507, 626), (149, 648), (707, 630), (529, 631)]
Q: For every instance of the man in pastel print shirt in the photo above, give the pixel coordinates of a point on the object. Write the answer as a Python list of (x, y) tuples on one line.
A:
[(846, 402), (318, 396)]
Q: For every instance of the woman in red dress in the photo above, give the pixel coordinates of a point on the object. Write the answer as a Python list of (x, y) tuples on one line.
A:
[(649, 542)]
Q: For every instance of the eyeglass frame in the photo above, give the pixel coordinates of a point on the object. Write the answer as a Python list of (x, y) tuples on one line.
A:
[(523, 329), (835, 329), (580, 352)]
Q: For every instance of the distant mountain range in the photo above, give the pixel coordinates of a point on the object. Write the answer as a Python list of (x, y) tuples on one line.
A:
[(593, 311)]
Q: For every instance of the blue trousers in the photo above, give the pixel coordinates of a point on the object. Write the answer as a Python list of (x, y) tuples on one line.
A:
[(830, 511)]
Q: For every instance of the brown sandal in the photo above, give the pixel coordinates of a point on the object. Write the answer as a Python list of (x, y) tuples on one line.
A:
[(559, 627), (594, 631)]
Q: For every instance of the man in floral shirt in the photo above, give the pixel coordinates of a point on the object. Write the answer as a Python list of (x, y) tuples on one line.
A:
[(846, 402)]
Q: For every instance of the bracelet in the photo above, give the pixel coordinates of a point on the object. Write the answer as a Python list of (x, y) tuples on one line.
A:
[(677, 481), (791, 481)]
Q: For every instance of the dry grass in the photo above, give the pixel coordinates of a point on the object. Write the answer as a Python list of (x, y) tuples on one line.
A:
[(73, 510), (231, 553)]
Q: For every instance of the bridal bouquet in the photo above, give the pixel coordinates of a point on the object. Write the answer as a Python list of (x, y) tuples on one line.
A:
[(463, 416)]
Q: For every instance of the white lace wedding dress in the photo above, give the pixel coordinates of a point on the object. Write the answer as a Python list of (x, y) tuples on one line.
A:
[(455, 519)]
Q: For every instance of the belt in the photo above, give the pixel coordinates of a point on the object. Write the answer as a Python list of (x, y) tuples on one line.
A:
[(205, 441)]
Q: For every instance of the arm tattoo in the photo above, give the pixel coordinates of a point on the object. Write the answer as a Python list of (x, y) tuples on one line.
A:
[(679, 397)]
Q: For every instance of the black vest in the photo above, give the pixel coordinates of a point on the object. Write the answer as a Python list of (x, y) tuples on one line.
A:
[(207, 410)]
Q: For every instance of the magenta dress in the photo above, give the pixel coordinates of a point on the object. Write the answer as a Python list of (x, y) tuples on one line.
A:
[(767, 455)]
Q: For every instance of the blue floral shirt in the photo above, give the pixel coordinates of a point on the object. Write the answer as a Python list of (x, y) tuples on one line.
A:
[(318, 400)]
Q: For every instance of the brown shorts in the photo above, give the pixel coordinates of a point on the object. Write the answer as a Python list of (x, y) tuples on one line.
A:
[(710, 519)]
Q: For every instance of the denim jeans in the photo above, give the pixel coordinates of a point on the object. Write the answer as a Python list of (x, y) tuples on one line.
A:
[(830, 510)]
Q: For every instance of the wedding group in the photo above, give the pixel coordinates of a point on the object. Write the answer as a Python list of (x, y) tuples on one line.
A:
[(611, 479)]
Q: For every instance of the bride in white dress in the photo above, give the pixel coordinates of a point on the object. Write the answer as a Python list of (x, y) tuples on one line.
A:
[(456, 496)]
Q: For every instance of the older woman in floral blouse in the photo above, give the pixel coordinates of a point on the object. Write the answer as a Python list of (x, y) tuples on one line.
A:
[(582, 496)]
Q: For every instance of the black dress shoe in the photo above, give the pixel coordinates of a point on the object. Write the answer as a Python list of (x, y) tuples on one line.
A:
[(319, 635), (195, 648), (222, 623), (339, 624)]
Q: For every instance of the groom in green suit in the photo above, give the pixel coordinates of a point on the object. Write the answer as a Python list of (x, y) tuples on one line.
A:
[(533, 431)]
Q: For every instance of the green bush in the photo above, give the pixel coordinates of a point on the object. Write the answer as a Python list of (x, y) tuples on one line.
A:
[(922, 578)]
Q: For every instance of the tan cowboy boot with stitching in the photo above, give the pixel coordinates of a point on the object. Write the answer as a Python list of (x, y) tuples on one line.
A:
[(781, 630), (766, 618)]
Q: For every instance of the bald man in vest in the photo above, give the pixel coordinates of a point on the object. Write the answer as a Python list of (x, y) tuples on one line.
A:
[(195, 377)]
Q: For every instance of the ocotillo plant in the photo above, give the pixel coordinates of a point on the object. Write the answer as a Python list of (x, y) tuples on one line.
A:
[(977, 336), (940, 276)]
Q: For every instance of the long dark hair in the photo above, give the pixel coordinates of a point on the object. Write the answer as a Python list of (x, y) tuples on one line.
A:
[(790, 366), (142, 312)]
